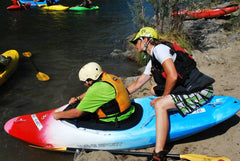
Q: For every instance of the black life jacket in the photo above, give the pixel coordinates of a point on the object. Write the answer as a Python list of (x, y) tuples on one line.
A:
[(184, 64), (186, 70)]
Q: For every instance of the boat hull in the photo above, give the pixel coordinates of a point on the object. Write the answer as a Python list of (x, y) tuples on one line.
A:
[(208, 13), (79, 8), (24, 6), (36, 3), (43, 130), (11, 68), (55, 7)]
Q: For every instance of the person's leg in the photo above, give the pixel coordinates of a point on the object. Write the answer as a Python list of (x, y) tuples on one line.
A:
[(162, 122)]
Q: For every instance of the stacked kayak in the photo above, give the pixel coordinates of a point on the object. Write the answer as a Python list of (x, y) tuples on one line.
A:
[(42, 130), (24, 6), (80, 8), (57, 7), (208, 13), (12, 66)]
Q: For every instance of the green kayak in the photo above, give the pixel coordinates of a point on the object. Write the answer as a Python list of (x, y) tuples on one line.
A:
[(80, 8)]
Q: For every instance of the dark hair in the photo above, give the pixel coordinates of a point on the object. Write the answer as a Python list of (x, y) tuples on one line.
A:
[(157, 41)]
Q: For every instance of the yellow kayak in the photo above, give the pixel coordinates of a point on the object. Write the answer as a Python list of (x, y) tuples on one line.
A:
[(10, 69), (55, 7)]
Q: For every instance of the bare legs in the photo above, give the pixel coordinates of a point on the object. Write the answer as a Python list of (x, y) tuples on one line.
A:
[(162, 104)]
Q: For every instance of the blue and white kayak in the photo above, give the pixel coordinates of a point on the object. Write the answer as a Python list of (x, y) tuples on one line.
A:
[(36, 3), (42, 130)]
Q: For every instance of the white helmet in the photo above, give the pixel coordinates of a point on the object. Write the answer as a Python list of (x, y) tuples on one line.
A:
[(91, 70)]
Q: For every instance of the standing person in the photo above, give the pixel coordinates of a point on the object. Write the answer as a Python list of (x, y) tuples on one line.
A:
[(179, 84), (106, 96)]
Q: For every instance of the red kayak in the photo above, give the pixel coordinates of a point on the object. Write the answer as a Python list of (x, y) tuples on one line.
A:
[(208, 13), (19, 7)]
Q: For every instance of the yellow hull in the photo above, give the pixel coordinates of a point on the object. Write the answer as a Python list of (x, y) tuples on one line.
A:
[(55, 7), (10, 69)]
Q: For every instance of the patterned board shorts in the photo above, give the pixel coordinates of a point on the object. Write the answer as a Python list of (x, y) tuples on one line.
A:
[(187, 103)]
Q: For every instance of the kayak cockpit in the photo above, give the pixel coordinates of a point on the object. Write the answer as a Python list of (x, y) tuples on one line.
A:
[(90, 120)]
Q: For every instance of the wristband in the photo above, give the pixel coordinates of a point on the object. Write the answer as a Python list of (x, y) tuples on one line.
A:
[(78, 98)]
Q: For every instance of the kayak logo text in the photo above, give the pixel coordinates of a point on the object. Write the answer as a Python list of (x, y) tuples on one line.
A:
[(37, 122), (107, 145)]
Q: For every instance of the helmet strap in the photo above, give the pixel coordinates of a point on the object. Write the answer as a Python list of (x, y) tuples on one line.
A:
[(145, 44), (145, 55)]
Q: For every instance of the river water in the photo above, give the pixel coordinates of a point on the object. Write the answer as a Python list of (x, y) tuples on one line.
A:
[(60, 43)]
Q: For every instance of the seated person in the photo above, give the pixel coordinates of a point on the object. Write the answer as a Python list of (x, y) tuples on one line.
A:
[(50, 2), (15, 2), (4, 62), (106, 96), (86, 3)]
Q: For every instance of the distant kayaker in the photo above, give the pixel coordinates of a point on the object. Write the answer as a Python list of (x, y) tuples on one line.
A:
[(4, 61), (49, 2), (86, 3), (38, 0), (179, 84), (106, 96), (17, 2)]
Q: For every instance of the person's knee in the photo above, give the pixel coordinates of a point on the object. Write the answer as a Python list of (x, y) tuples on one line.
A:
[(159, 105), (164, 104)]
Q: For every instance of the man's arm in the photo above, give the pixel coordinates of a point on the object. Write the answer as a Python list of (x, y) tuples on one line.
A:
[(138, 83), (73, 113)]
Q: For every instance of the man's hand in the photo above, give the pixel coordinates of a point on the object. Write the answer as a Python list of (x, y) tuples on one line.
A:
[(56, 115), (72, 100)]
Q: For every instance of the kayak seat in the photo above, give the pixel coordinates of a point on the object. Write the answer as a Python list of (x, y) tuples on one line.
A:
[(90, 120)]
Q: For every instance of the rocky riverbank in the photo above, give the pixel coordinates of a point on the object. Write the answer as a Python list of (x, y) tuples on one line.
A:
[(217, 55)]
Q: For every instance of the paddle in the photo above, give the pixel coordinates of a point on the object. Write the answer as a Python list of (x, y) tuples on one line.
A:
[(191, 157), (40, 76)]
